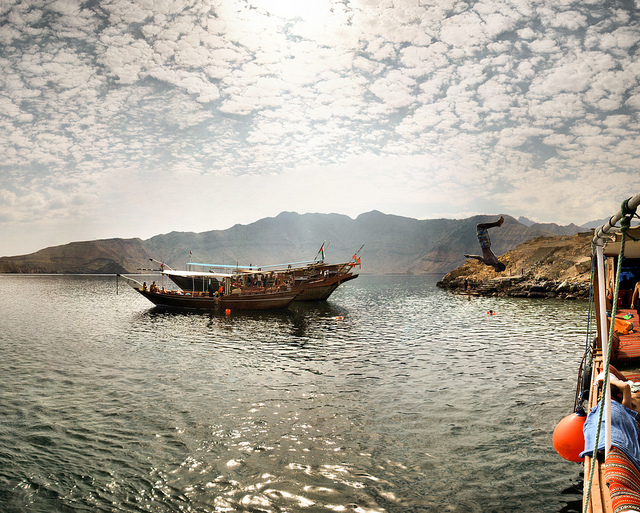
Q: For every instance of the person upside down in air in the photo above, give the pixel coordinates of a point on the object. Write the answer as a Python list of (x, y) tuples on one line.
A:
[(488, 257)]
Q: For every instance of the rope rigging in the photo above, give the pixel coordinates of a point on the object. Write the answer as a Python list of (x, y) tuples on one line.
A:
[(587, 359)]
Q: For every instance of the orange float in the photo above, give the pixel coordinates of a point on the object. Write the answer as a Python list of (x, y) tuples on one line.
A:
[(568, 438)]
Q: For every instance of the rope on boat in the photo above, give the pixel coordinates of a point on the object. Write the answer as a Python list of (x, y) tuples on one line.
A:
[(627, 213), (587, 359), (628, 205)]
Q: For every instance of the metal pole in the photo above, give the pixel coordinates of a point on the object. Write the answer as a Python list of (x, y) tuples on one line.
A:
[(604, 337), (633, 204)]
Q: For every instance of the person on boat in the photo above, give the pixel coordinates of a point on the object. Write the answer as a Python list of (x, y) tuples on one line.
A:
[(488, 257), (625, 408), (153, 287), (622, 392), (635, 298)]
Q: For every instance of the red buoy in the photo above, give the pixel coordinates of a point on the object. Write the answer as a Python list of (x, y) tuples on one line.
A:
[(568, 438)]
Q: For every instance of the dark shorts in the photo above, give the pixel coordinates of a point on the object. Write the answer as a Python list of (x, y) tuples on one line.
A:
[(483, 238)]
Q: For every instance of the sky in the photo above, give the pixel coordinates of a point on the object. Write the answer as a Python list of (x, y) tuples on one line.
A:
[(124, 118)]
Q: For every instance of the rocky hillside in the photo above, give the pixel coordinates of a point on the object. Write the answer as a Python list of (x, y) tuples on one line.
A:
[(542, 267), (109, 256)]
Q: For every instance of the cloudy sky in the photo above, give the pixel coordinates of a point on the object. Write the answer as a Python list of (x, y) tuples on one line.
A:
[(130, 118)]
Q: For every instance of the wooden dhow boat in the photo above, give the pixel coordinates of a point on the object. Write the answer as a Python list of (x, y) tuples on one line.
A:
[(604, 430), (225, 292), (314, 280)]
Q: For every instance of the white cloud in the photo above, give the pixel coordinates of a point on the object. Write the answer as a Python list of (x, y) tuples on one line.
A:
[(441, 96)]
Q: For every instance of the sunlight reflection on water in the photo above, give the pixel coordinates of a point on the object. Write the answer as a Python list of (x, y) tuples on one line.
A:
[(392, 396)]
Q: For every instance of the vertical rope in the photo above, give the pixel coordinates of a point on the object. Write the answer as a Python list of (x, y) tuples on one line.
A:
[(587, 359)]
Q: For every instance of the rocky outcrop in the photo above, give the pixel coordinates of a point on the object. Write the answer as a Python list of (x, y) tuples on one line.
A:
[(544, 267)]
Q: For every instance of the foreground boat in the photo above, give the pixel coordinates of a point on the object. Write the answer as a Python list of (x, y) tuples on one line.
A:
[(607, 440), (234, 293), (233, 302)]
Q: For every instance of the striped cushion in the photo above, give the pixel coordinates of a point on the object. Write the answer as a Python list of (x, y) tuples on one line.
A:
[(623, 480)]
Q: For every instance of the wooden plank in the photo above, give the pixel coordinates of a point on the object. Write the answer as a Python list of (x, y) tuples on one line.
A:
[(599, 500), (587, 468), (606, 496), (596, 490)]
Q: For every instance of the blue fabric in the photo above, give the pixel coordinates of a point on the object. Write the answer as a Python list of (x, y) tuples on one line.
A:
[(483, 238), (624, 432)]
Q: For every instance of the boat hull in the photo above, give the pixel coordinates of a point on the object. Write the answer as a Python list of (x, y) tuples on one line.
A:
[(233, 302), (321, 289)]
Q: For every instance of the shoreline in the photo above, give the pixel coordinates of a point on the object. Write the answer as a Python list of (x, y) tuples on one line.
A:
[(517, 286)]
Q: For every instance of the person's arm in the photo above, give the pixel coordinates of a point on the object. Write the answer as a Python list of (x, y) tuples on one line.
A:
[(625, 389)]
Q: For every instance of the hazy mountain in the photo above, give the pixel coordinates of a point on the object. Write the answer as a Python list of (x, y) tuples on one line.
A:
[(557, 229), (392, 244), (550, 227), (525, 221), (594, 224), (599, 222)]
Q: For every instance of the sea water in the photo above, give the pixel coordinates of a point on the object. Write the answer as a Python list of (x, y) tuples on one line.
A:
[(393, 396)]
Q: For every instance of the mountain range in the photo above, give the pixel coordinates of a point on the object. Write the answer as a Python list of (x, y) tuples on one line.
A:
[(390, 244)]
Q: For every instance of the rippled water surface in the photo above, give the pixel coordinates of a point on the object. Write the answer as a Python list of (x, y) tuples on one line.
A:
[(392, 396)]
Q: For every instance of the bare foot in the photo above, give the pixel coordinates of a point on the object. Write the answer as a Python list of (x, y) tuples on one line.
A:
[(500, 221)]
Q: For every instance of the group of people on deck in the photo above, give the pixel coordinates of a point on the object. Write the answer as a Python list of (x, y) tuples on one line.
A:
[(152, 288)]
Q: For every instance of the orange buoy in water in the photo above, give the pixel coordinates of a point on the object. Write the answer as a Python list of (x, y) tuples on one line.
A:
[(568, 438)]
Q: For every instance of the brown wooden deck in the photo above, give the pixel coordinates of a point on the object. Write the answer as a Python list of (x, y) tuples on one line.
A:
[(628, 349)]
